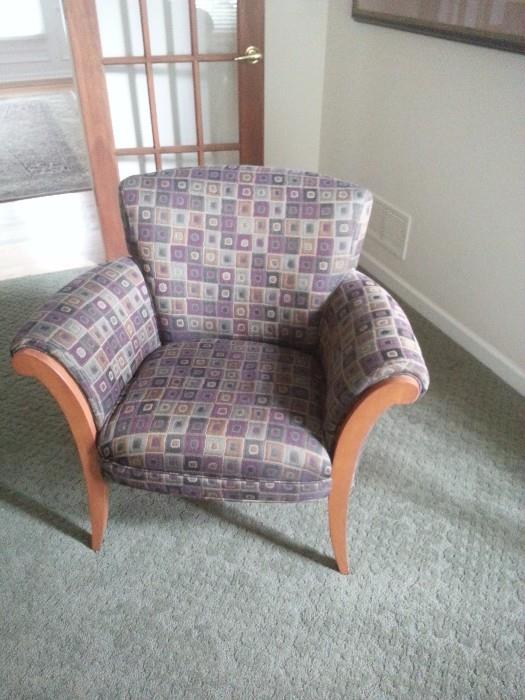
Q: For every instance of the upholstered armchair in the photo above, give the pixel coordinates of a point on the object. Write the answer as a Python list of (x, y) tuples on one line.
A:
[(237, 354)]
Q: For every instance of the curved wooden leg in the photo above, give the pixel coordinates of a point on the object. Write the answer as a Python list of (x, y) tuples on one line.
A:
[(64, 389), (97, 496), (350, 443)]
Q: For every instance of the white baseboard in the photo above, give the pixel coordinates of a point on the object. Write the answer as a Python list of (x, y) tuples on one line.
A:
[(486, 353)]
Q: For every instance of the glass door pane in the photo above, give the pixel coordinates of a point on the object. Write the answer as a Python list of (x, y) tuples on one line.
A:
[(128, 103), (179, 160), (175, 103), (221, 158), (169, 27), (138, 83), (119, 28), (131, 165), (220, 102), (217, 26)]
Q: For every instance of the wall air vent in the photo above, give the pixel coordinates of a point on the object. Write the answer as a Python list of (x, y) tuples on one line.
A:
[(390, 227)]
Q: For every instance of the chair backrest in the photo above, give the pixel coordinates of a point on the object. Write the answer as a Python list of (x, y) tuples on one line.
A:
[(243, 251)]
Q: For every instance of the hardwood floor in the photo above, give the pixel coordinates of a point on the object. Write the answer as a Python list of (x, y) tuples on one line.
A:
[(46, 234)]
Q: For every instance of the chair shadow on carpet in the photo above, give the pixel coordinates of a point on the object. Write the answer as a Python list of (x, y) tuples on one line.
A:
[(43, 513), (59, 472), (243, 522), (248, 524)]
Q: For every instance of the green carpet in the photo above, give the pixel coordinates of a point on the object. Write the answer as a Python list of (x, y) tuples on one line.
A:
[(189, 600)]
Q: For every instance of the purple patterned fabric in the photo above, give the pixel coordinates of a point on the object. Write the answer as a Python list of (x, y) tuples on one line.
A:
[(99, 327), (365, 338), (246, 274), (220, 418), (243, 251)]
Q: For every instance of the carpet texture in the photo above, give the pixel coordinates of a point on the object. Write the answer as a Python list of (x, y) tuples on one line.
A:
[(193, 600), (43, 150)]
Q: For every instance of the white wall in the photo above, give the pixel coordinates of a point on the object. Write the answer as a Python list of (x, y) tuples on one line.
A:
[(295, 36), (437, 128)]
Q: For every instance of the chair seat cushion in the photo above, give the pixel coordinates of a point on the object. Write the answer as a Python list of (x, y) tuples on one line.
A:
[(221, 419)]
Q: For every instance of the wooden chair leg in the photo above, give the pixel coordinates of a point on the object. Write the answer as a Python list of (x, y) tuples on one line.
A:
[(69, 396), (97, 496), (350, 443)]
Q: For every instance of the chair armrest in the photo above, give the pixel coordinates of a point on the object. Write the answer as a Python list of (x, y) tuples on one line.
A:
[(365, 337), (99, 327)]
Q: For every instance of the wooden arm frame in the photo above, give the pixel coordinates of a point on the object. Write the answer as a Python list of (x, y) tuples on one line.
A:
[(350, 443), (401, 389), (68, 395)]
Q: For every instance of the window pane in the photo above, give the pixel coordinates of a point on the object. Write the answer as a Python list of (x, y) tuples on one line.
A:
[(175, 104), (128, 102), (119, 27), (179, 160), (19, 19), (219, 95), (133, 165), (169, 27), (221, 158), (217, 26)]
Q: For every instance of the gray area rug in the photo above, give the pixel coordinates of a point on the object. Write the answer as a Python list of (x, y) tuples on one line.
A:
[(42, 146), (189, 600)]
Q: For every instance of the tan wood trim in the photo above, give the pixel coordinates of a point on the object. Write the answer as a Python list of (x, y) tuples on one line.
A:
[(44, 85), (401, 389), (74, 406), (250, 32), (196, 80), (81, 18), (167, 58), (207, 147), (150, 82)]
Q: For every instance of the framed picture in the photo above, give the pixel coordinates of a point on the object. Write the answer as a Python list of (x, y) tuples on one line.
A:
[(496, 23)]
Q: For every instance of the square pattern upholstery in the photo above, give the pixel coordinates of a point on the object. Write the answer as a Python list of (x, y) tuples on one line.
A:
[(222, 360), (222, 418), (100, 326), (365, 338), (243, 251)]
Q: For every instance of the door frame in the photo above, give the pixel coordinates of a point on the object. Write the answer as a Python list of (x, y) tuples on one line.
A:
[(86, 51)]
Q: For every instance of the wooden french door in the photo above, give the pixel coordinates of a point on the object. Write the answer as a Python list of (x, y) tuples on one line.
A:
[(163, 84)]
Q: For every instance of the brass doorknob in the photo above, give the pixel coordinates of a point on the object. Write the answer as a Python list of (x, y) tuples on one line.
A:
[(251, 55)]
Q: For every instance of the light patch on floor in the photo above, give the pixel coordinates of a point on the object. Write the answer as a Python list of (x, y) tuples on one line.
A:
[(47, 234)]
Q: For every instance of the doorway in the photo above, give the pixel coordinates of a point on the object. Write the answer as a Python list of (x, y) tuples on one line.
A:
[(164, 84), (48, 217)]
